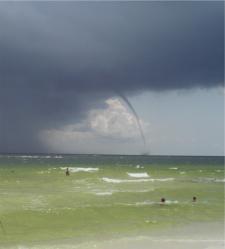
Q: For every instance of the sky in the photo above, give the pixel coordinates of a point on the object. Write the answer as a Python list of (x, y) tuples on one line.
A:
[(112, 77)]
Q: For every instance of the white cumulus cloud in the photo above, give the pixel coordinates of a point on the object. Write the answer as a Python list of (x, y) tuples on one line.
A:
[(115, 122)]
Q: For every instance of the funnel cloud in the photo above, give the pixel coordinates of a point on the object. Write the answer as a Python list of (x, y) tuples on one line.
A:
[(59, 60), (125, 99)]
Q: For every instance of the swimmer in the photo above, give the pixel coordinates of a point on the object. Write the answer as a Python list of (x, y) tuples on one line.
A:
[(163, 200), (67, 172), (194, 199)]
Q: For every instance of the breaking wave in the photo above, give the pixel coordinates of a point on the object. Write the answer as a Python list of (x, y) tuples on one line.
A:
[(104, 193), (77, 169), (209, 180), (138, 175), (110, 180)]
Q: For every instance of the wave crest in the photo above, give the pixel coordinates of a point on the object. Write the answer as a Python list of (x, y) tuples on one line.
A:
[(110, 180), (79, 169), (138, 175)]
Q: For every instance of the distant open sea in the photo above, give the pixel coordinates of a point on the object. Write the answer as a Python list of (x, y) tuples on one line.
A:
[(106, 199)]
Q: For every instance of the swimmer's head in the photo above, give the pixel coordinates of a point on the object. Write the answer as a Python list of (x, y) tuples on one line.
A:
[(163, 200)]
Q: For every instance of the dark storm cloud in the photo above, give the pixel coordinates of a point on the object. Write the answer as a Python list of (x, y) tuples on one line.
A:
[(58, 60)]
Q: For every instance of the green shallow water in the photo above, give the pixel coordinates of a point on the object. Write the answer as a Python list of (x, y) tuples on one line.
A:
[(104, 196)]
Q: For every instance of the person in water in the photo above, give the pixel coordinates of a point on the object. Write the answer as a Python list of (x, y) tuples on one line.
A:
[(163, 200), (67, 172), (194, 199)]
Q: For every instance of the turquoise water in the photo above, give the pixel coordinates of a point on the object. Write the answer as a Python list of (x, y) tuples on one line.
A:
[(104, 196)]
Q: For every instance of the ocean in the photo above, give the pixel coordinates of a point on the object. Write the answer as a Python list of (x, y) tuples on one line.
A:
[(111, 201)]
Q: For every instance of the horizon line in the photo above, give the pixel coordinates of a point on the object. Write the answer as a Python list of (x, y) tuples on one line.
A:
[(106, 154)]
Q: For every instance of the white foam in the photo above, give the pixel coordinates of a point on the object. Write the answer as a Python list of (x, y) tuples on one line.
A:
[(162, 179), (27, 156), (144, 203), (140, 241), (138, 175), (104, 193), (135, 191), (139, 167), (151, 221), (58, 157), (110, 180), (168, 202), (122, 191), (219, 180), (171, 202), (77, 169), (182, 172), (209, 180), (35, 156), (173, 168), (148, 203)]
